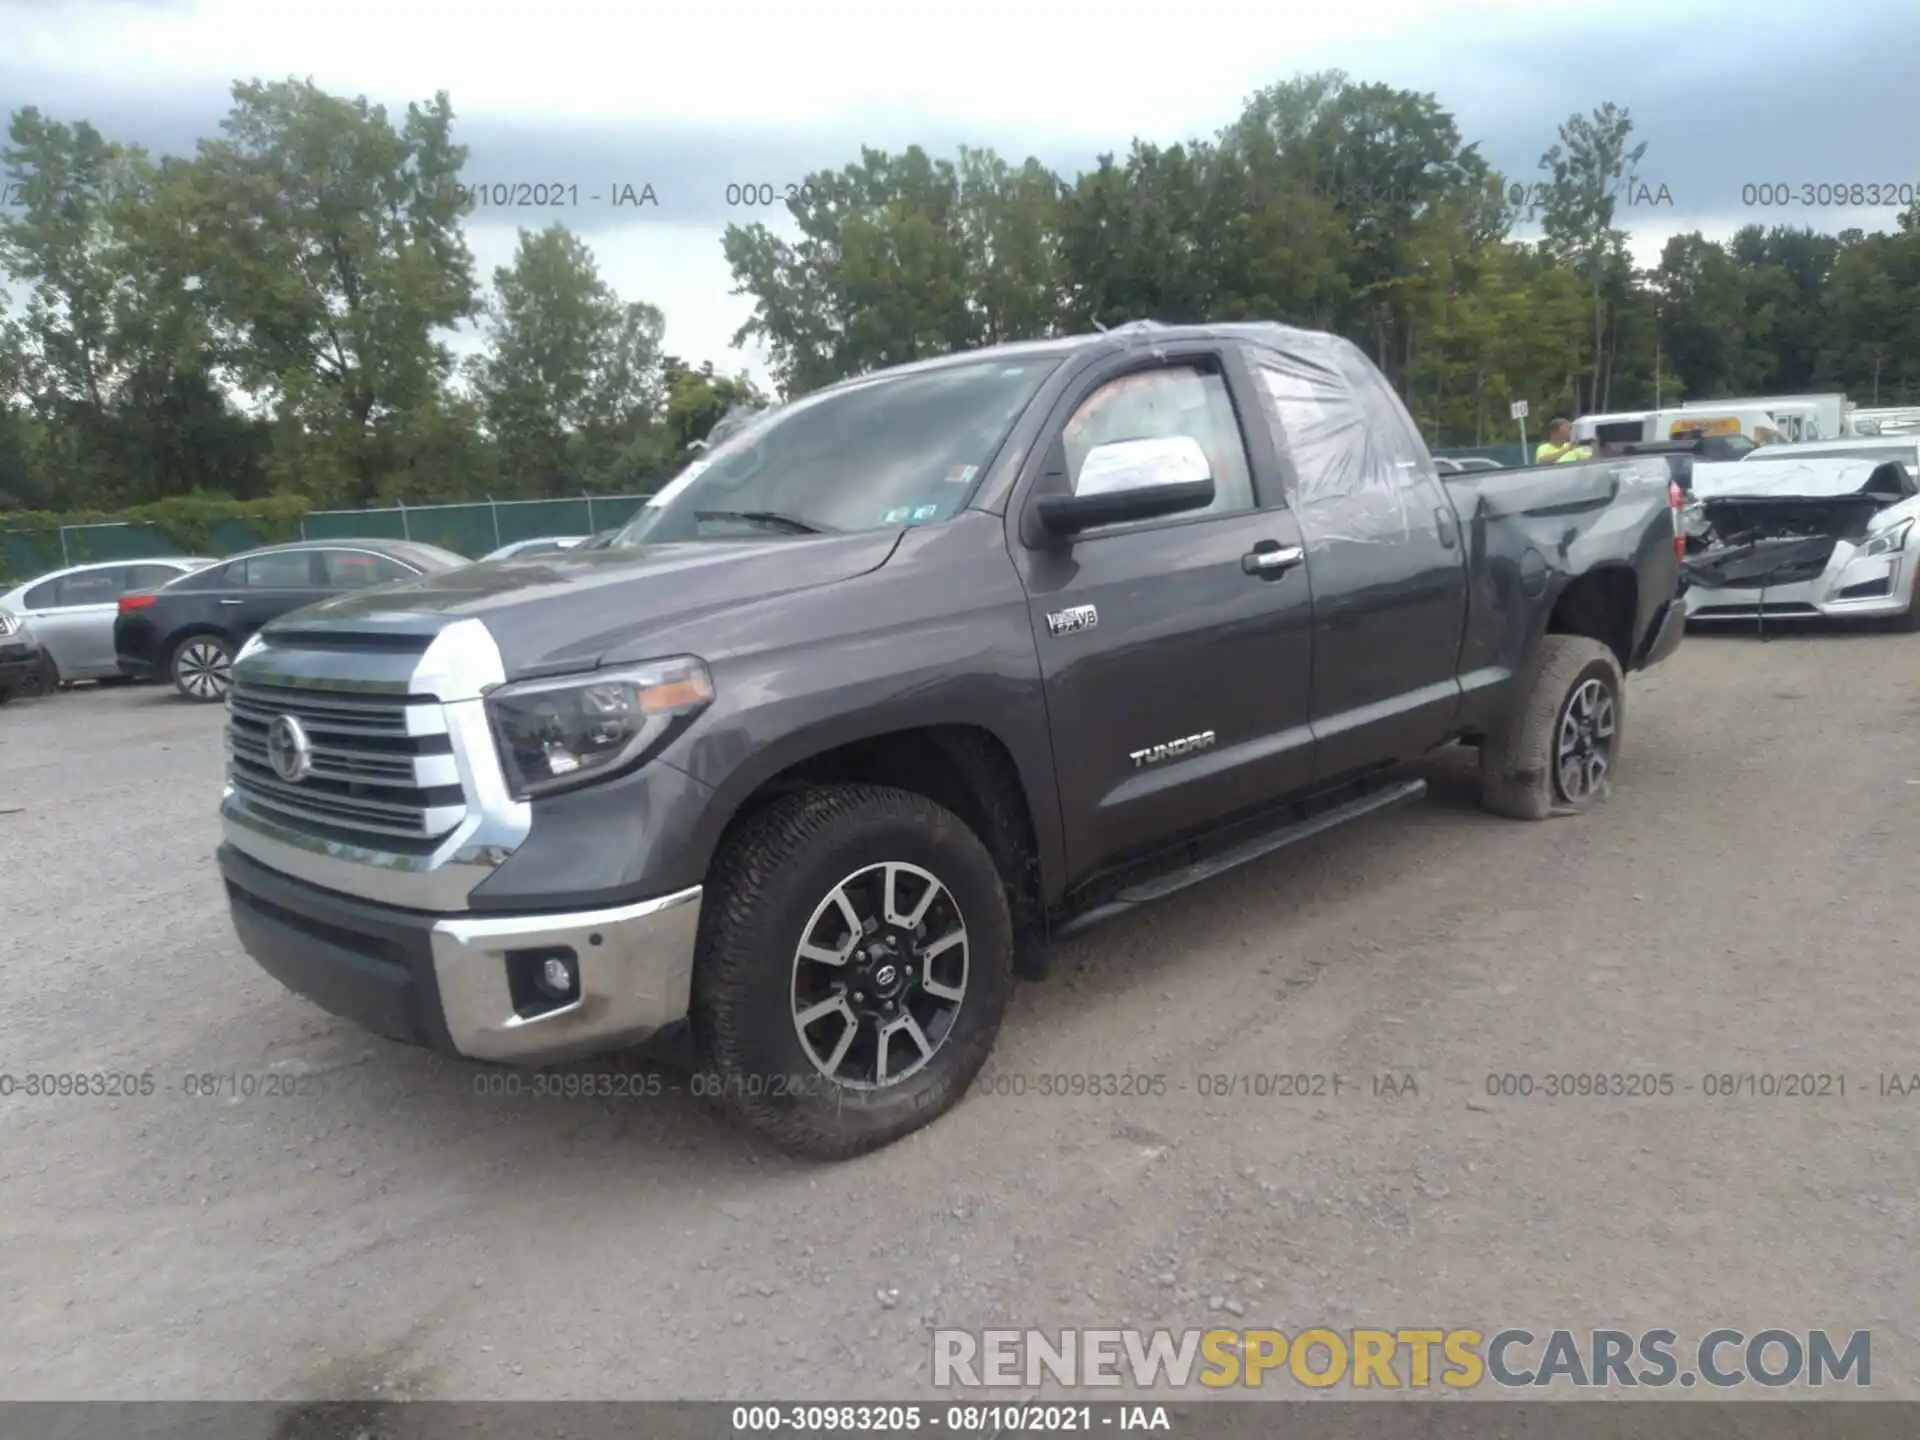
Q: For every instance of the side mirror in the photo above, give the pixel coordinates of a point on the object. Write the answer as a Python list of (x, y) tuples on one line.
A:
[(1130, 480)]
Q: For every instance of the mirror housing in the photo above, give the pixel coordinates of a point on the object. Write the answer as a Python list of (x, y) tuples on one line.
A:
[(1064, 516), (1121, 482)]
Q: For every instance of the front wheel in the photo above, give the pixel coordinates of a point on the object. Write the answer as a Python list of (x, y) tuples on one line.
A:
[(1556, 750), (855, 959), (202, 668)]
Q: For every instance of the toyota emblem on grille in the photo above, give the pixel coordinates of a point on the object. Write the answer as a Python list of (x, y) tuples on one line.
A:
[(288, 749)]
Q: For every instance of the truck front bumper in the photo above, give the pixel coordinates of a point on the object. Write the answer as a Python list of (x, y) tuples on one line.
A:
[(462, 983)]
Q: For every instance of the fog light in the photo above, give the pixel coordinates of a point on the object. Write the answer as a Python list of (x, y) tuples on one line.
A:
[(543, 980)]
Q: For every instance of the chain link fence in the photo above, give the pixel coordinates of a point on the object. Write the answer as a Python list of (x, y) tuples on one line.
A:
[(470, 529)]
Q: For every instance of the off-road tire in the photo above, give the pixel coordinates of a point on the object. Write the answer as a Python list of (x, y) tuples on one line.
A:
[(761, 891), (1518, 755)]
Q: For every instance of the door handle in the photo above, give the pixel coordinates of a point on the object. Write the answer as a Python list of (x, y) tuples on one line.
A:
[(1270, 561), (233, 602), (1443, 518)]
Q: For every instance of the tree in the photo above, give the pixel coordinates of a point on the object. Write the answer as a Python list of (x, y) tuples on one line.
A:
[(1588, 166), (1365, 170), (1872, 305), (112, 353), (323, 240), (572, 380)]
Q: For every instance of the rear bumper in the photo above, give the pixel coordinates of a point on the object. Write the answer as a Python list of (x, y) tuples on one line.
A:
[(1668, 629), (458, 983)]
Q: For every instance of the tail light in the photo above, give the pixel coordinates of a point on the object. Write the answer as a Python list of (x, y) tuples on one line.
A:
[(136, 602), (1676, 504)]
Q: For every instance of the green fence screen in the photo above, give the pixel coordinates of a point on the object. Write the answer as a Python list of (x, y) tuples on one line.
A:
[(471, 530)]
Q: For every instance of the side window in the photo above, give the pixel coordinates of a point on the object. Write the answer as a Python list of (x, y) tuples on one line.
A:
[(281, 570), (1352, 459), (91, 587), (148, 577), (1399, 442), (356, 569), (43, 596), (1159, 405)]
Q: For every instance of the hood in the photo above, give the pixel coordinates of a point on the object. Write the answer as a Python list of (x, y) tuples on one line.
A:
[(1811, 478), (561, 612)]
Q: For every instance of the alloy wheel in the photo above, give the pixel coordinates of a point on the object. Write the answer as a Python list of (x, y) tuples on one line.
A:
[(879, 976), (1583, 751), (204, 669)]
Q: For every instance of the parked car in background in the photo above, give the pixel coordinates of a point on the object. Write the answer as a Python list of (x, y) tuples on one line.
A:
[(521, 549), (1793, 539), (188, 631), (1877, 448), (72, 610), (25, 667)]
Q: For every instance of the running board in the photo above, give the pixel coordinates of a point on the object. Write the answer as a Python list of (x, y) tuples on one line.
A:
[(1247, 851)]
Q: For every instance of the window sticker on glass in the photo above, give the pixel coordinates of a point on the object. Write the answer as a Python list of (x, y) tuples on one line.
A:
[(960, 474), (925, 512), (898, 516)]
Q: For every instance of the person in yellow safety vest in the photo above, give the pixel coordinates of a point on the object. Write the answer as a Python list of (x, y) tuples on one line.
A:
[(1559, 444)]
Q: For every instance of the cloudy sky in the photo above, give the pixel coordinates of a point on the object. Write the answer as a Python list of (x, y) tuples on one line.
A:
[(692, 99)]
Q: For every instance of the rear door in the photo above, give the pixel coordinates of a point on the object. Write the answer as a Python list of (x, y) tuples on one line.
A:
[(1176, 663), (342, 570), (1384, 546)]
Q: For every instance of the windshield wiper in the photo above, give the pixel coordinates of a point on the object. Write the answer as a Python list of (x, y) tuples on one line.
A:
[(771, 518)]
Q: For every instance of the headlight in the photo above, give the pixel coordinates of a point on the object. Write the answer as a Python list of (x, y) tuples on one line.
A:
[(1887, 542), (555, 734)]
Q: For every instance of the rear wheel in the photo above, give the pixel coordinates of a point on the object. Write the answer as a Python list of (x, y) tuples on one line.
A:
[(1556, 751), (855, 959), (202, 668)]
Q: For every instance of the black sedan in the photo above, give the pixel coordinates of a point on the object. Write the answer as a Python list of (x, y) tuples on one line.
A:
[(190, 630)]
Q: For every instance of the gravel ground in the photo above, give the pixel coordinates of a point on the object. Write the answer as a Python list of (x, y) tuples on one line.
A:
[(1743, 904)]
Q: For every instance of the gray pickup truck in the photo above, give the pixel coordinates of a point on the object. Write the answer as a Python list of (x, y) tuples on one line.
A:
[(903, 680)]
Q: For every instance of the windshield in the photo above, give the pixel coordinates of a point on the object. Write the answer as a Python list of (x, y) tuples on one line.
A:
[(903, 450)]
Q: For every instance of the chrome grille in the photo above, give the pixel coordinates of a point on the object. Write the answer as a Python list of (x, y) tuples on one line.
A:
[(383, 766)]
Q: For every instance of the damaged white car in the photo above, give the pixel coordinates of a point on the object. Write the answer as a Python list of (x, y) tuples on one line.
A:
[(1802, 539)]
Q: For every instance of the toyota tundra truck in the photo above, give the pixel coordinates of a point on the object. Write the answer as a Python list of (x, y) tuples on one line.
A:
[(901, 682)]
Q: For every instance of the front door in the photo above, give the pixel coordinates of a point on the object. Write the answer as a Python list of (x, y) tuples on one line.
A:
[(275, 582), (1176, 664)]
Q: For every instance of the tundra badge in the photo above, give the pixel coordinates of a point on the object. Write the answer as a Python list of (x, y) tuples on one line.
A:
[(1071, 622), (1154, 754)]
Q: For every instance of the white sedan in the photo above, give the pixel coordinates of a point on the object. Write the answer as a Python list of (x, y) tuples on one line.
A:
[(1824, 537), (73, 610)]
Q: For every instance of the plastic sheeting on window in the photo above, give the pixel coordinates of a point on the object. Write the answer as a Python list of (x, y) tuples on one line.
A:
[(1352, 457)]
